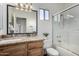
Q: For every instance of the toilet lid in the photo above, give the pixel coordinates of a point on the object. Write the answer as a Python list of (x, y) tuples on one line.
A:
[(52, 51)]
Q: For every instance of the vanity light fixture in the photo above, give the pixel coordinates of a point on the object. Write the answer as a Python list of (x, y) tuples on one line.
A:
[(24, 6)]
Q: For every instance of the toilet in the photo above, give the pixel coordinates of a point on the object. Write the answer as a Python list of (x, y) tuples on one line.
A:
[(52, 52)]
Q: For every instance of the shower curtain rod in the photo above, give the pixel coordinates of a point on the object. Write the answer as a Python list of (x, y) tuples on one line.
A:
[(67, 9)]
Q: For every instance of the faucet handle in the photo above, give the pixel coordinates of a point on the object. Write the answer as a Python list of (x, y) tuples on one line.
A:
[(59, 41), (58, 36)]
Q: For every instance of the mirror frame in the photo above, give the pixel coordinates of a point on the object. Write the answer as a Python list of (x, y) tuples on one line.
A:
[(22, 33)]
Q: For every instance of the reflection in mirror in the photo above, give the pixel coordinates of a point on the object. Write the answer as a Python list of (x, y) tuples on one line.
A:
[(21, 21)]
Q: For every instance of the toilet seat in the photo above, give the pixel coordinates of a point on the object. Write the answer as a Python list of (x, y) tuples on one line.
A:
[(52, 52)]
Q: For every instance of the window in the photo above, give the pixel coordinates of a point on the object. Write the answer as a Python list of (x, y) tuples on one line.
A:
[(44, 14), (41, 14)]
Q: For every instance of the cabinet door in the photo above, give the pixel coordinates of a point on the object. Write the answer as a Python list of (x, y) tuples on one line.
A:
[(15, 50), (36, 44), (35, 52), (2, 51)]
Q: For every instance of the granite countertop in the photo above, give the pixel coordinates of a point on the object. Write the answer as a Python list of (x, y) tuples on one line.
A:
[(19, 40)]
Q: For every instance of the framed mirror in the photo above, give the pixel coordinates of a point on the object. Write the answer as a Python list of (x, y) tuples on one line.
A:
[(21, 22)]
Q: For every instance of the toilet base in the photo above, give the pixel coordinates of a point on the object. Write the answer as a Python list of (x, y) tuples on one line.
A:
[(52, 52)]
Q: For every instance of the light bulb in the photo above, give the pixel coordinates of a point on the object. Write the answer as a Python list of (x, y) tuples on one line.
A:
[(30, 6), (25, 7), (16, 4), (17, 8), (21, 9), (21, 5)]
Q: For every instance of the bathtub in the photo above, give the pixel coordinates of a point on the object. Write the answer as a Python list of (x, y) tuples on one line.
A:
[(64, 52)]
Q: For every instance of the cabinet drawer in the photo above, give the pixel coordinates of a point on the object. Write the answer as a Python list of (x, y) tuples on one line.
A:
[(15, 49), (33, 45), (35, 52), (17, 52)]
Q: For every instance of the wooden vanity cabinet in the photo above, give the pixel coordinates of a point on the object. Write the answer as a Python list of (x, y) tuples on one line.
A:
[(31, 48)]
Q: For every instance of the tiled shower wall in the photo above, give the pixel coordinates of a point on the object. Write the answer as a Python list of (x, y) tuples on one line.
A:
[(66, 30)]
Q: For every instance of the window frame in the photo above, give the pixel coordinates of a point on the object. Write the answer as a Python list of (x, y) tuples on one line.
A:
[(48, 14), (44, 14)]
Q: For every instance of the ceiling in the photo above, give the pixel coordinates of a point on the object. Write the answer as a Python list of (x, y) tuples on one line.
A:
[(54, 7)]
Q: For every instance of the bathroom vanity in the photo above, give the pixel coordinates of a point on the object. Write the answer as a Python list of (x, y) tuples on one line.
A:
[(25, 24), (22, 46)]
